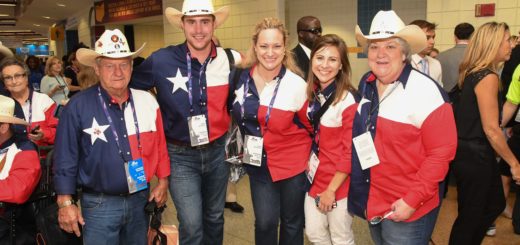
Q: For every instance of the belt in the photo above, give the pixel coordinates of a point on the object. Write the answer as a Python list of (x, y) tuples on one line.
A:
[(91, 191), (188, 145)]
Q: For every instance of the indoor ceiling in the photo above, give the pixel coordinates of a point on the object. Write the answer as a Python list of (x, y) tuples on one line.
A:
[(32, 18)]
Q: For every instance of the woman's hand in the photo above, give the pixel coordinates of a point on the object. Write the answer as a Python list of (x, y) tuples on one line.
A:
[(327, 200)]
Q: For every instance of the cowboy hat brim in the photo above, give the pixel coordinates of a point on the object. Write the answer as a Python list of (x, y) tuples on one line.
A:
[(5, 51), (88, 56), (412, 34), (174, 16), (13, 120)]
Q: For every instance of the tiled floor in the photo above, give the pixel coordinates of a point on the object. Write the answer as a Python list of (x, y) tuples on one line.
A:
[(239, 228)]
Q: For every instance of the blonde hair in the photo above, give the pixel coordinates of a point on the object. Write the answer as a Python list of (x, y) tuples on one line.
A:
[(87, 77), (342, 79), (482, 49), (49, 63), (271, 23)]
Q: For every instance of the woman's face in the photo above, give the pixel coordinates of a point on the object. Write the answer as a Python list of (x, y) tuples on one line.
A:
[(504, 51), (270, 49), (56, 66), (386, 59), (326, 64)]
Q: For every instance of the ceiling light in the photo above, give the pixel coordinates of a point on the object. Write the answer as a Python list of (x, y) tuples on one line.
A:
[(4, 15), (36, 25), (60, 4), (15, 31), (46, 17), (8, 4)]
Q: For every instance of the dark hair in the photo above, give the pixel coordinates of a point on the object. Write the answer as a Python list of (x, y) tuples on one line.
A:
[(423, 24), (463, 31), (14, 62)]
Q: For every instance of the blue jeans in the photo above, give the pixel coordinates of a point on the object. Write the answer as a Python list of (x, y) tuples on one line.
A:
[(417, 232), (198, 183), (114, 219), (279, 202)]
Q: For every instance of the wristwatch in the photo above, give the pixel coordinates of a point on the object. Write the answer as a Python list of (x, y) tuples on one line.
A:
[(66, 203)]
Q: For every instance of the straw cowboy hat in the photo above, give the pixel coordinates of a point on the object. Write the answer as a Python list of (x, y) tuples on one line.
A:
[(7, 111), (196, 7), (111, 44), (5, 52), (387, 24)]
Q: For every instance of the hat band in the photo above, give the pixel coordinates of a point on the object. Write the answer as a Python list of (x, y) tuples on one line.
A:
[(113, 52), (385, 32), (198, 10)]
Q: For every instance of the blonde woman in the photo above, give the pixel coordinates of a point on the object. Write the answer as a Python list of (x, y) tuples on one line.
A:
[(479, 188), (54, 84), (269, 95)]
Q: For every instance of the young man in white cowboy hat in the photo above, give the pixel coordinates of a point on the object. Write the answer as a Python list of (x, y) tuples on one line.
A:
[(110, 143), (19, 163), (192, 83), (5, 52)]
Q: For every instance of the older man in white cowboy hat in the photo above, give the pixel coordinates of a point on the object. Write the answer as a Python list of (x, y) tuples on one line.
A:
[(110, 144), (404, 137), (5, 52), (19, 164), (192, 83)]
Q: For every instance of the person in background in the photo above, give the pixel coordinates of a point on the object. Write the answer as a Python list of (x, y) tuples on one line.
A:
[(35, 72), (434, 53), (193, 88), (110, 144), (309, 30), (268, 96), (420, 60), (87, 77), (37, 108), (327, 220), (398, 158), (450, 59), (480, 196), (71, 72), (53, 83), (19, 168)]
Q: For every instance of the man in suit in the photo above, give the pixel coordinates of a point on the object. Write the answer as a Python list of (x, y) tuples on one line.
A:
[(421, 61), (309, 30), (451, 58)]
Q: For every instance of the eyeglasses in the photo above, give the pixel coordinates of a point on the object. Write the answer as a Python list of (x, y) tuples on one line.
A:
[(315, 31), (16, 77), (112, 67)]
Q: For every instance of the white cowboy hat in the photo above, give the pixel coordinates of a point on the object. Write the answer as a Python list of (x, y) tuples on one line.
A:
[(4, 51), (387, 24), (7, 111), (111, 44), (196, 7)]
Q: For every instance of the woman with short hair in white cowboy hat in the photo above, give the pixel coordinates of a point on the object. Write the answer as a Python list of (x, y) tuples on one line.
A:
[(404, 137)]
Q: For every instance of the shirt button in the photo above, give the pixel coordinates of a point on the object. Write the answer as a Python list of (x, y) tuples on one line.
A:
[(128, 153), (257, 128), (368, 180), (243, 124), (373, 127), (203, 87), (121, 119), (124, 135), (265, 155)]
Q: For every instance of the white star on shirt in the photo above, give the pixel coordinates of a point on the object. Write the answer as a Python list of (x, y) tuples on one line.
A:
[(239, 95), (96, 131), (179, 82), (363, 101)]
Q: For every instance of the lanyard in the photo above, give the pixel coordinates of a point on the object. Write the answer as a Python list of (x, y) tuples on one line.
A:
[(61, 85), (270, 108), (244, 96), (190, 82), (112, 125), (374, 108)]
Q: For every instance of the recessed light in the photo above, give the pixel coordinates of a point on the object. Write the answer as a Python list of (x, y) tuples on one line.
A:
[(46, 17), (8, 4), (4, 15), (36, 25), (60, 4)]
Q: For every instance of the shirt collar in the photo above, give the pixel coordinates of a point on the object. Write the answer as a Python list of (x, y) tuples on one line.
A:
[(7, 143), (212, 54), (110, 99), (327, 92), (306, 50), (280, 74)]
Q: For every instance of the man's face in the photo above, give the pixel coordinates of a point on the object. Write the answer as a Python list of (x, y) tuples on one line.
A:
[(114, 74), (430, 41), (198, 31), (308, 35)]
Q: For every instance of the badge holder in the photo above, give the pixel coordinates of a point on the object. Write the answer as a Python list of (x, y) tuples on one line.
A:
[(198, 130), (313, 164), (366, 150), (253, 146), (135, 176)]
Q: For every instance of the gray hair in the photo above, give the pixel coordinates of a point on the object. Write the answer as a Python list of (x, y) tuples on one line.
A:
[(405, 48), (11, 61)]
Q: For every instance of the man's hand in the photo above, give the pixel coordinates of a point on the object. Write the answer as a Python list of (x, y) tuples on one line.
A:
[(38, 135), (402, 211), (69, 216), (160, 193)]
